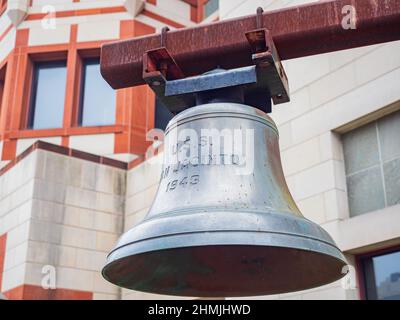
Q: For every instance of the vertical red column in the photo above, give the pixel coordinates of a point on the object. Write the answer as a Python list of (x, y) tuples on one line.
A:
[(135, 106), (143, 106), (71, 105), (123, 108), (16, 91)]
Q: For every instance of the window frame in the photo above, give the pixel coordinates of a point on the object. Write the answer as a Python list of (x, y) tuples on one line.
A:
[(31, 59), (361, 272), (33, 91), (375, 120)]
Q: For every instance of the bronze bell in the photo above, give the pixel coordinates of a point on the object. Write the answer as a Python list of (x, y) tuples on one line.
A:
[(223, 222)]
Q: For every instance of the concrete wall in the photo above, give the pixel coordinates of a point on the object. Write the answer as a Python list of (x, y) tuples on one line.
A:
[(16, 189), (65, 213)]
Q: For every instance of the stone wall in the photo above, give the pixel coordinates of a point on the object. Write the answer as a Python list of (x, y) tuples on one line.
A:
[(64, 213)]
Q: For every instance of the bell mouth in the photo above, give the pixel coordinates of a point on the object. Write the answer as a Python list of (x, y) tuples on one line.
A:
[(224, 271), (225, 254)]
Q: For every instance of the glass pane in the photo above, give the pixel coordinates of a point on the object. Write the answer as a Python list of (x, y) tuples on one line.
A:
[(98, 98), (360, 148), (47, 106), (387, 276), (365, 191), (389, 136), (392, 181), (210, 7)]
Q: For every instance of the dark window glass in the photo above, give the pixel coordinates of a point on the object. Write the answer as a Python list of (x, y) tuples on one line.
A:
[(98, 98), (382, 276), (372, 161), (162, 115), (48, 94), (210, 7)]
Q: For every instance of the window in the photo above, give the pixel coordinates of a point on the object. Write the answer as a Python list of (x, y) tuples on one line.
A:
[(48, 94), (381, 276), (210, 7), (372, 161), (162, 115), (97, 107)]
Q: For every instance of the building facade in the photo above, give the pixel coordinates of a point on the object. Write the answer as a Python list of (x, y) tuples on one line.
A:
[(64, 200)]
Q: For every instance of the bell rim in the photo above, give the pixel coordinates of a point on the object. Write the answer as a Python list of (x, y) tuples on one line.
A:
[(175, 240), (335, 256), (321, 246), (186, 221)]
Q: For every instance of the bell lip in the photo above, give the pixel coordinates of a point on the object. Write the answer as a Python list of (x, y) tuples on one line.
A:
[(216, 228), (322, 246), (338, 259), (225, 238), (221, 109)]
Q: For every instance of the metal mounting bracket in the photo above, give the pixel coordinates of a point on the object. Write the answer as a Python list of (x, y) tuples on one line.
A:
[(264, 80)]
